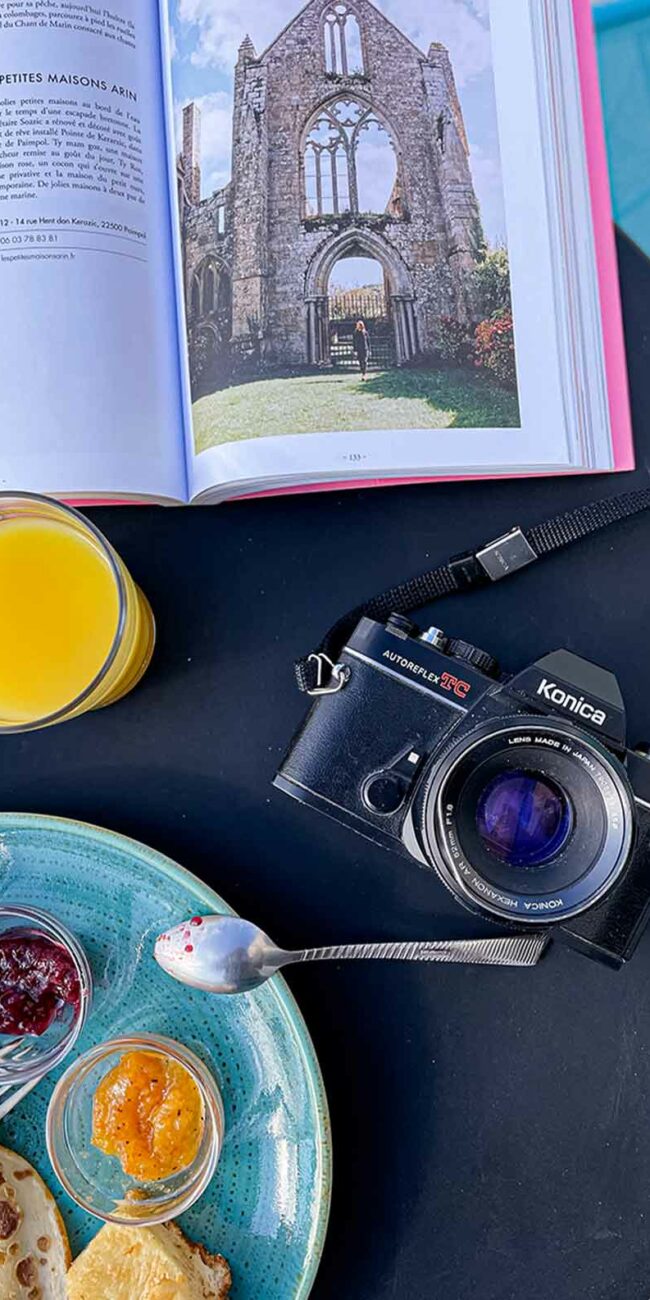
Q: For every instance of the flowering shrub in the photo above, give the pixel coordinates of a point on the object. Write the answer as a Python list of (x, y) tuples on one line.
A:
[(494, 348), (492, 283), (455, 343)]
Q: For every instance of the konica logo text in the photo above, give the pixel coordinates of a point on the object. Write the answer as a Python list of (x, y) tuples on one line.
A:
[(577, 704)]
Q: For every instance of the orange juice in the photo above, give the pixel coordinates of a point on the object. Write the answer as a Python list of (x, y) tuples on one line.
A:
[(76, 631)]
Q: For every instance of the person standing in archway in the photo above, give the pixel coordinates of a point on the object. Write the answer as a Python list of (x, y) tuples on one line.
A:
[(361, 345)]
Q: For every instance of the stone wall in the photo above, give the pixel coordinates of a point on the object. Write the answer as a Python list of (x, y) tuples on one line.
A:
[(280, 259), (251, 218), (191, 154), (201, 237)]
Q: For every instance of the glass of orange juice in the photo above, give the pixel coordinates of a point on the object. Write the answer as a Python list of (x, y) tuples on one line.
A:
[(76, 631)]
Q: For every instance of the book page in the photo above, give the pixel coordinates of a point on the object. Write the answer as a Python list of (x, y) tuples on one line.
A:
[(90, 400), (366, 250)]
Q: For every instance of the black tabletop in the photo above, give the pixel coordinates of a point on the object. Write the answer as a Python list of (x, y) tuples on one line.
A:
[(491, 1129)]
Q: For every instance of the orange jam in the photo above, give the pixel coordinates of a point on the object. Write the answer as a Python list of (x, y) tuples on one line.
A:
[(148, 1112)]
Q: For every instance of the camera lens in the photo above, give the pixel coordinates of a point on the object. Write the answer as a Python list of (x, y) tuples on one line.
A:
[(523, 818), (530, 820)]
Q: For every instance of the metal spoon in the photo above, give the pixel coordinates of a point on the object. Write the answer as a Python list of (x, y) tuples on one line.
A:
[(224, 954)]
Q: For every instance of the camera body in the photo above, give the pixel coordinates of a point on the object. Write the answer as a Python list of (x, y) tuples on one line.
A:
[(519, 792)]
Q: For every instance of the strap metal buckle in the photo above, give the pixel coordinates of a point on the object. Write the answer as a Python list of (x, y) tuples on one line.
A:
[(338, 675), (506, 554)]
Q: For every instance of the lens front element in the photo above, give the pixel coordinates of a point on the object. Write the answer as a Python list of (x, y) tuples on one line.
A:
[(524, 818), (530, 820)]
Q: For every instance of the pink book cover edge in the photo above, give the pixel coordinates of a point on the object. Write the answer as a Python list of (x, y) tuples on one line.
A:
[(608, 284), (603, 224)]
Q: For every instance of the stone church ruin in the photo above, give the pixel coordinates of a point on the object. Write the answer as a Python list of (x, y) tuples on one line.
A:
[(348, 141)]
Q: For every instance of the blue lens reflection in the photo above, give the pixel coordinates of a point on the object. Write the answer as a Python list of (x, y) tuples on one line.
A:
[(523, 818)]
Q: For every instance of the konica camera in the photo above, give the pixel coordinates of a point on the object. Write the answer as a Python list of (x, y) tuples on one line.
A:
[(518, 791)]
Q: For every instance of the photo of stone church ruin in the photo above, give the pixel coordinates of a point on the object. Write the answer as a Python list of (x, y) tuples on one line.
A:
[(347, 142)]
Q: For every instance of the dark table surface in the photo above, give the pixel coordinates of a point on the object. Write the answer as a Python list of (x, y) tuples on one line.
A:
[(491, 1129)]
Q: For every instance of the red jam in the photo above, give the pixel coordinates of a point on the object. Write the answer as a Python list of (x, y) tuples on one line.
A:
[(38, 980)]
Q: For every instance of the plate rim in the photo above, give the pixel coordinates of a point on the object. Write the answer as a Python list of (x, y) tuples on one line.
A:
[(278, 987)]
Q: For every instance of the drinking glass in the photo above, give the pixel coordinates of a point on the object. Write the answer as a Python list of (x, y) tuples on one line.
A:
[(77, 633)]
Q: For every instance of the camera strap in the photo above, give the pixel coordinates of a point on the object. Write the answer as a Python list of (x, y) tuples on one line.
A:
[(320, 673)]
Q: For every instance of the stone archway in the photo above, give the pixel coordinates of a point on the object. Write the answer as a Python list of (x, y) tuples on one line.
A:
[(359, 243)]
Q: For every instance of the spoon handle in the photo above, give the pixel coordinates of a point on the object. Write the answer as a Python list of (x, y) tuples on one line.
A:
[(508, 950)]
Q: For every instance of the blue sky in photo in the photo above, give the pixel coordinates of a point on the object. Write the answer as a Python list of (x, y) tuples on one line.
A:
[(206, 35)]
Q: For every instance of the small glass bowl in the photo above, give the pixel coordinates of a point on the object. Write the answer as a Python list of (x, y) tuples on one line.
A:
[(96, 1181), (32, 1056)]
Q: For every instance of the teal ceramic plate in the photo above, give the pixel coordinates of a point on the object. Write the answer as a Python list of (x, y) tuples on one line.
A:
[(267, 1206)]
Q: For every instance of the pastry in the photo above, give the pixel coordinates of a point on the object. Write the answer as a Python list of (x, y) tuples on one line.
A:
[(155, 1263), (34, 1250)]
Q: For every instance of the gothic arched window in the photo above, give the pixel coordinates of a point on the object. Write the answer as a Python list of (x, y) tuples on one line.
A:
[(350, 162), (211, 296), (195, 296), (342, 35), (209, 288)]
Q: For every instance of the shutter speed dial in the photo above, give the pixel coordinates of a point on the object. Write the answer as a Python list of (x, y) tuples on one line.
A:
[(472, 654)]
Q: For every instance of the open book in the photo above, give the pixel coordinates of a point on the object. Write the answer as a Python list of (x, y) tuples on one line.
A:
[(250, 247)]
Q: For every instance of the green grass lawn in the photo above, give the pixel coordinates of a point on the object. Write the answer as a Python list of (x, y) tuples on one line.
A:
[(326, 401)]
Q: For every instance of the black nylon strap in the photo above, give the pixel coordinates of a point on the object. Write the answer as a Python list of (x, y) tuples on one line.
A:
[(471, 569)]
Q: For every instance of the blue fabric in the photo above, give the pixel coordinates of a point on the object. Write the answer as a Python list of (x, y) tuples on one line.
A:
[(611, 13), (623, 34)]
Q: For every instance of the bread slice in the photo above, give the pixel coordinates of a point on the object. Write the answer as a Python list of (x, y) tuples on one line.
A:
[(34, 1250), (157, 1263)]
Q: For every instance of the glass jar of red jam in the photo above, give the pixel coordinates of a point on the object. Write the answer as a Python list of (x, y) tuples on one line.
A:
[(45, 992)]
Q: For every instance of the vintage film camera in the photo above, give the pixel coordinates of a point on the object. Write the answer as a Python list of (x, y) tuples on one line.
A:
[(518, 791)]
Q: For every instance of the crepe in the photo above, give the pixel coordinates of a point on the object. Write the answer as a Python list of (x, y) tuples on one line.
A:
[(34, 1250), (156, 1263)]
